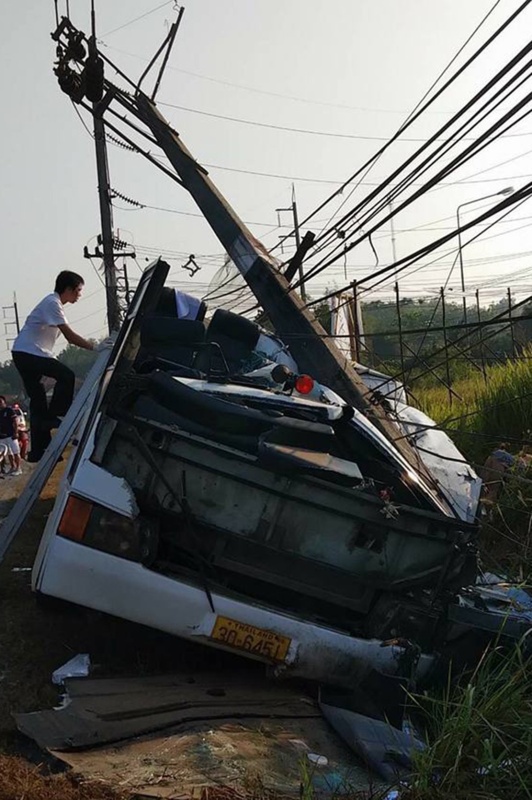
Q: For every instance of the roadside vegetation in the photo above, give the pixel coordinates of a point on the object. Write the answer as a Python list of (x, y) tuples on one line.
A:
[(491, 410), (494, 411), (479, 730), (480, 734)]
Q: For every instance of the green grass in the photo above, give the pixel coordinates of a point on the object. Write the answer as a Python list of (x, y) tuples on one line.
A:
[(478, 731), (480, 734), (491, 412)]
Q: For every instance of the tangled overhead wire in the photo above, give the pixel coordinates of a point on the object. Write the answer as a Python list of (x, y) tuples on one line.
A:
[(486, 116)]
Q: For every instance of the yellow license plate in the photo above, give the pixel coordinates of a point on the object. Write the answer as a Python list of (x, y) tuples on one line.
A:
[(258, 641)]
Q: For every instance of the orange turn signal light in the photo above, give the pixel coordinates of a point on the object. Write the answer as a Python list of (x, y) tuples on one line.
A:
[(75, 518), (304, 384)]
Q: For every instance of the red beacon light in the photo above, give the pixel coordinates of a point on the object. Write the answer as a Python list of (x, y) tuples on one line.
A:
[(304, 384)]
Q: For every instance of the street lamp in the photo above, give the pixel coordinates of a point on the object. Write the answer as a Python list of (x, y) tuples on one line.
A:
[(504, 192)]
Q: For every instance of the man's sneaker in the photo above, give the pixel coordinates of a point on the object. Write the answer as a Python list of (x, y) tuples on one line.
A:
[(15, 472)]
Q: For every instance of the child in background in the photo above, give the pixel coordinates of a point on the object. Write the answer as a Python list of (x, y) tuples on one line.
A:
[(23, 438)]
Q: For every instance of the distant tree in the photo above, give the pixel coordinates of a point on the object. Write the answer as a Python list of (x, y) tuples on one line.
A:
[(10, 382), (322, 312), (79, 360)]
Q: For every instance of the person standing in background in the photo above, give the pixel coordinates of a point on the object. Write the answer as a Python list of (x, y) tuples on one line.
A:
[(9, 435), (33, 357)]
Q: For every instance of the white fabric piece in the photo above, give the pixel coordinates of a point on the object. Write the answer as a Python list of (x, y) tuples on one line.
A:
[(40, 330), (187, 306)]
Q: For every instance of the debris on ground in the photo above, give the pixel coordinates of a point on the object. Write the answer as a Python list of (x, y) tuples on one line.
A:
[(383, 748), (174, 735), (77, 667)]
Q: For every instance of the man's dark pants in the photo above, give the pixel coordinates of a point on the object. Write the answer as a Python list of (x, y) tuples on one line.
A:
[(31, 369)]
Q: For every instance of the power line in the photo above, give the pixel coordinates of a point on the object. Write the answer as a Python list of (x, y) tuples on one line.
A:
[(142, 16), (507, 323), (307, 131), (92, 313), (256, 90), (323, 103), (476, 262), (433, 246), (365, 168), (377, 182), (457, 54), (114, 141), (493, 133), (490, 135), (410, 260), (305, 179)]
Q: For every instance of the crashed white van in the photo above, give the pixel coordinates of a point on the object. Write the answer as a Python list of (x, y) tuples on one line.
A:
[(219, 496)]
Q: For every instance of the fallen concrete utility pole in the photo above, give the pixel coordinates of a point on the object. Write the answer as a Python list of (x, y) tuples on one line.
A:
[(313, 350)]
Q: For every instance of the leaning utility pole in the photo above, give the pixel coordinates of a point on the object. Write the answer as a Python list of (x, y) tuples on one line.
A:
[(106, 217), (104, 195)]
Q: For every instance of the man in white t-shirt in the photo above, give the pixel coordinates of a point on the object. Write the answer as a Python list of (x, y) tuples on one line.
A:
[(33, 357)]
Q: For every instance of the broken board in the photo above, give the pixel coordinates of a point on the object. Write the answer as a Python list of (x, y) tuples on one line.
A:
[(108, 710)]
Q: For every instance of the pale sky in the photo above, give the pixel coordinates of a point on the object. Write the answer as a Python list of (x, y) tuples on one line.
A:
[(352, 68)]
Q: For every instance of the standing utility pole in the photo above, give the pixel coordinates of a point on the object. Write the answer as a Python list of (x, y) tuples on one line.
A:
[(504, 193), (9, 322), (360, 342), (15, 309), (293, 209), (298, 243), (512, 333), (481, 337), (392, 230), (446, 345), (400, 331)]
